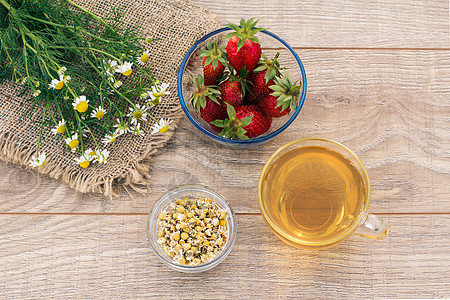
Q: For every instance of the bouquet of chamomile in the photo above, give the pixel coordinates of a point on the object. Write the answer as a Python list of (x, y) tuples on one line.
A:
[(87, 73)]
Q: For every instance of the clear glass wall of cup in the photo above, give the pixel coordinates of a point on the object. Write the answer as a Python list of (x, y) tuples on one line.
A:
[(315, 192)]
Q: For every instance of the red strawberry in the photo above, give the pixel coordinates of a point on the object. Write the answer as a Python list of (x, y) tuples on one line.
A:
[(213, 111), (260, 124), (213, 63), (243, 123), (268, 106), (243, 48), (262, 78), (231, 91), (204, 100), (283, 99)]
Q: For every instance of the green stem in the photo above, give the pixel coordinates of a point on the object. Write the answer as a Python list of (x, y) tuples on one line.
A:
[(69, 28), (93, 137), (95, 17), (8, 7), (88, 48), (24, 52)]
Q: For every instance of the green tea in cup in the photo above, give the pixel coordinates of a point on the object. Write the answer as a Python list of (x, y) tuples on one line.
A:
[(315, 192)]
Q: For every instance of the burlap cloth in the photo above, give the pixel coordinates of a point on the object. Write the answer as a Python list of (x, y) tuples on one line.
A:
[(179, 24)]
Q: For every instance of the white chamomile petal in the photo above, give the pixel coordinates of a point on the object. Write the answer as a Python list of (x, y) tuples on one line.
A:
[(38, 160), (102, 156), (83, 161), (98, 113), (109, 138), (80, 104), (73, 142), (90, 154), (162, 126), (60, 127)]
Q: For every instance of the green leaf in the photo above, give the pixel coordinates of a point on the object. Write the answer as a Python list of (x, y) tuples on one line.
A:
[(246, 121), (215, 63), (218, 123), (240, 44), (229, 35), (231, 112)]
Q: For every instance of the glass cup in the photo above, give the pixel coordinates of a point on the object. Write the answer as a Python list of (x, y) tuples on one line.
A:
[(315, 192)]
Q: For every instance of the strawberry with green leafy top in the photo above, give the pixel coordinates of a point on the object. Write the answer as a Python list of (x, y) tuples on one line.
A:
[(234, 88), (262, 78), (213, 63), (283, 99), (243, 48), (205, 101), (243, 123)]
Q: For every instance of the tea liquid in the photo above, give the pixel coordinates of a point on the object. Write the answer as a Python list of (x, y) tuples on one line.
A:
[(313, 193)]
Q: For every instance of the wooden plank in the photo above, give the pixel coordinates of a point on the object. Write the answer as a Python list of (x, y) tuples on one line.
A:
[(349, 24), (391, 108), (109, 257)]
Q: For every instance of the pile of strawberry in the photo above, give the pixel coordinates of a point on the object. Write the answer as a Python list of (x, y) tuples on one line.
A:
[(241, 90)]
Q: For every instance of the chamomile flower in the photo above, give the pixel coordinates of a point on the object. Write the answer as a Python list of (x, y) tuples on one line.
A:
[(36, 93), (57, 84), (109, 138), (121, 128), (138, 114), (102, 156), (125, 68), (144, 58), (137, 130), (67, 79), (80, 104), (158, 91), (60, 127), (148, 39), (62, 70), (117, 84), (144, 95), (73, 142), (90, 154), (38, 160), (83, 161), (98, 113), (162, 126)]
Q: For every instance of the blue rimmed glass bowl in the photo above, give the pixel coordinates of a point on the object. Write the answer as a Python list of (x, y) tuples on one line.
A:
[(192, 65)]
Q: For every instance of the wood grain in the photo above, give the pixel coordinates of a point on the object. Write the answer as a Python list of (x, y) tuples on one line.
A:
[(106, 257), (391, 108), (349, 24)]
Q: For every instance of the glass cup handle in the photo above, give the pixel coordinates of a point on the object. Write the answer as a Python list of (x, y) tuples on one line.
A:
[(373, 228)]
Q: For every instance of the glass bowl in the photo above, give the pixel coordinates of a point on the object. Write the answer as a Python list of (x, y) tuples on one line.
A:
[(192, 65), (194, 191)]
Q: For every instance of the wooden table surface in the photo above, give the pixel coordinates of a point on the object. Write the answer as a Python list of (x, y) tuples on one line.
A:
[(378, 81)]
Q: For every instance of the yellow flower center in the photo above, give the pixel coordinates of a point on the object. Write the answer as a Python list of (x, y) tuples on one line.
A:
[(59, 85), (112, 140), (42, 164), (127, 73), (155, 101), (92, 154), (85, 164), (82, 106), (137, 114), (144, 57), (73, 144), (61, 129), (99, 114), (164, 129)]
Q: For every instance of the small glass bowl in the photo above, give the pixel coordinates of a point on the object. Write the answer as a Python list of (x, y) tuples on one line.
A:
[(194, 191), (192, 65)]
